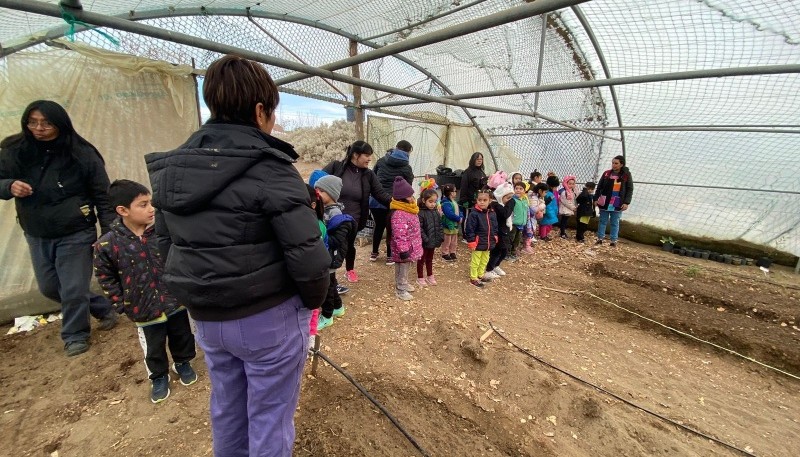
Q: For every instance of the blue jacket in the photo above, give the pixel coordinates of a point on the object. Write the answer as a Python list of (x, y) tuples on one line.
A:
[(551, 209), (450, 219)]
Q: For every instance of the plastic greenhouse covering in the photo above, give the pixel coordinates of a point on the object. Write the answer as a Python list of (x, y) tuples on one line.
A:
[(701, 96)]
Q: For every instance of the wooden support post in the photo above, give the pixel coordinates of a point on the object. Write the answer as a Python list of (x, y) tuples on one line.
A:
[(355, 71)]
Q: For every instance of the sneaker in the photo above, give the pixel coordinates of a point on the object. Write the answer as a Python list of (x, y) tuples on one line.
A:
[(389, 261), (341, 290), (351, 276), (511, 258), (580, 241), (563, 236), (185, 373), (491, 275), (599, 241), (324, 322), (499, 271), (431, 280), (422, 282), (613, 244), (463, 240), (453, 257), (477, 283), (446, 257), (339, 312), (403, 295), (408, 288), (108, 321), (74, 348), (486, 279), (160, 390), (373, 257)]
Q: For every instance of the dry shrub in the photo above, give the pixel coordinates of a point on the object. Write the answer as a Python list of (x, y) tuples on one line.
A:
[(323, 143)]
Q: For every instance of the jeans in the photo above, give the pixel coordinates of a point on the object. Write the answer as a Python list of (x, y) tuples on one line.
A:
[(601, 224), (255, 365), (63, 270)]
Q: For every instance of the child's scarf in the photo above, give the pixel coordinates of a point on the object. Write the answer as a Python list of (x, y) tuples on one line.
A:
[(404, 206)]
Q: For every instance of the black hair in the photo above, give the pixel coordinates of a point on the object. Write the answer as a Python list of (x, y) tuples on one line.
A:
[(448, 189), (473, 158), (123, 192), (404, 145), (315, 198), (516, 174), (520, 184), (484, 190), (553, 181), (541, 186), (535, 174), (621, 159), (590, 185), (425, 195), (358, 147)]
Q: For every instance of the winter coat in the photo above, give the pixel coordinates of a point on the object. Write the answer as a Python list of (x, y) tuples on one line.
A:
[(69, 183), (129, 270), (566, 205), (430, 221), (481, 228), (233, 214), (406, 236), (472, 180), (451, 215), (503, 212), (551, 209), (369, 187), (394, 163), (520, 211), (584, 201), (605, 194), (338, 227)]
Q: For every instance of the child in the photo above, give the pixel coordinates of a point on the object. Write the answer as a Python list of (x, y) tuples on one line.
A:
[(515, 178), (451, 219), (586, 210), (430, 221), (406, 237), (551, 208), (566, 204), (338, 226), (503, 207), (520, 220), (128, 266), (481, 233), (536, 178), (316, 205)]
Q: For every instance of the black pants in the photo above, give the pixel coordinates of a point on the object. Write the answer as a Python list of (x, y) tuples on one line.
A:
[(381, 218), (496, 255), (154, 339), (562, 224), (350, 258), (582, 228), (332, 300)]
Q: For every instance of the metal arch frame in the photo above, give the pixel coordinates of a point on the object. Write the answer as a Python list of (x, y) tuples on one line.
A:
[(60, 31)]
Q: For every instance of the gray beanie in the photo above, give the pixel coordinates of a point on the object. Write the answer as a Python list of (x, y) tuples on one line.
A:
[(331, 185)]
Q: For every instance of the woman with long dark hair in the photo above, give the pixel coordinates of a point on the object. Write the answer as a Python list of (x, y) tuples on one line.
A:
[(613, 195), (358, 184), (473, 179), (59, 185)]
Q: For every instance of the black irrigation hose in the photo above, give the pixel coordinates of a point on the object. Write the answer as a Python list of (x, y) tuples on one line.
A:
[(372, 399), (611, 394)]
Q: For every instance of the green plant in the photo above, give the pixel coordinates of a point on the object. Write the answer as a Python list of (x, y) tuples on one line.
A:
[(693, 271), (667, 240)]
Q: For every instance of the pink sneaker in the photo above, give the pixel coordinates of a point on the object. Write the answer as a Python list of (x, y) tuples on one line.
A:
[(351, 276), (431, 280), (421, 282)]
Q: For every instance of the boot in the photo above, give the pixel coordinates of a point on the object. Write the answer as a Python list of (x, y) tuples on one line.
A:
[(528, 247)]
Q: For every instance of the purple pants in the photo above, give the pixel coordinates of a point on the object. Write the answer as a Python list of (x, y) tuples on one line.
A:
[(255, 365)]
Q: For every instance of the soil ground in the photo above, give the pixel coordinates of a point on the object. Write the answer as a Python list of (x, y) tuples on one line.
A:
[(457, 396)]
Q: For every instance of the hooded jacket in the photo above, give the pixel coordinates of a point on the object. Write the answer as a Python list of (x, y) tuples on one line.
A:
[(481, 228), (393, 164), (129, 270), (233, 213), (70, 185)]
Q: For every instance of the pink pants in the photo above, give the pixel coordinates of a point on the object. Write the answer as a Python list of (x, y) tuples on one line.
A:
[(544, 230), (450, 244)]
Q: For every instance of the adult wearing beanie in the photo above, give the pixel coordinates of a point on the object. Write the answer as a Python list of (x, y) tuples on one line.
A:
[(395, 163), (613, 194)]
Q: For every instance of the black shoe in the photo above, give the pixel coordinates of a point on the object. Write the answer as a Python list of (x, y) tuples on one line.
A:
[(74, 348), (477, 283), (160, 390), (599, 241), (453, 257), (563, 236), (108, 321), (613, 244), (185, 372)]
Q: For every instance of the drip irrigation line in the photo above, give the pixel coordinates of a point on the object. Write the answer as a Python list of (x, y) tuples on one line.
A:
[(617, 397), (372, 399), (689, 335)]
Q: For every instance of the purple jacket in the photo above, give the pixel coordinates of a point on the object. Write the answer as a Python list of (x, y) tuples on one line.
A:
[(406, 236)]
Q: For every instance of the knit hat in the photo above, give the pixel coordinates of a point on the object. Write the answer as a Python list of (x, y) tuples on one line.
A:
[(331, 185), (401, 189), (503, 190), (315, 175)]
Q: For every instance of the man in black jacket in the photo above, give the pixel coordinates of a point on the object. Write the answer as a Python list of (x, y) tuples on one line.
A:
[(58, 181)]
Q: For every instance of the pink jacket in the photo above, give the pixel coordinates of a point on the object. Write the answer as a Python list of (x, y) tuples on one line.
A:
[(406, 236)]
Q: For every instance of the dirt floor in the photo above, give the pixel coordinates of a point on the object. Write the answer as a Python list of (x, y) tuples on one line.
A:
[(457, 396)]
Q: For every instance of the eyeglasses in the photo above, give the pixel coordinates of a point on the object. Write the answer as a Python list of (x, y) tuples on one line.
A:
[(45, 125)]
